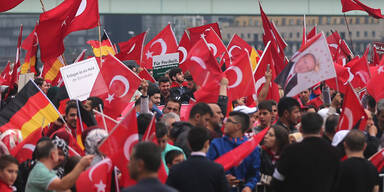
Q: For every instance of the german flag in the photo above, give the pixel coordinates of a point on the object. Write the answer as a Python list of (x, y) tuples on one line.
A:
[(106, 46), (30, 110), (52, 68)]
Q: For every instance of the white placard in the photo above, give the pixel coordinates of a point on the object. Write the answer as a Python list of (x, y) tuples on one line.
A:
[(163, 63), (79, 78)]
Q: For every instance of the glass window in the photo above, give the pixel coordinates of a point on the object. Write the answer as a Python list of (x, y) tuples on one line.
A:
[(357, 33), (373, 34), (365, 33), (298, 34)]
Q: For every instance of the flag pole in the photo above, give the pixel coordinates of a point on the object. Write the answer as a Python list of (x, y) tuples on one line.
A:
[(349, 32), (104, 115), (105, 124), (101, 59), (42, 5)]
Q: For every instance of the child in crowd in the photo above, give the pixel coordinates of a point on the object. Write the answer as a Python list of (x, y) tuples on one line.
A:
[(9, 166)]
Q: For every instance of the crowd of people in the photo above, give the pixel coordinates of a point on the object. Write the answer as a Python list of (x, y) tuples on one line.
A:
[(301, 150)]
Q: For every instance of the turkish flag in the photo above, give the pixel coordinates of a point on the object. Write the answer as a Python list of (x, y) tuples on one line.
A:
[(235, 156), (87, 16), (350, 5), (259, 76), (96, 178), (237, 46), (15, 72), (353, 112), (5, 74), (121, 83), (132, 49), (312, 33), (240, 77), (213, 41), (359, 69), (52, 28), (377, 160), (375, 86), (343, 76), (163, 43), (201, 64), (144, 74), (150, 132), (376, 57), (6, 5), (184, 47), (110, 123), (119, 144), (30, 44), (195, 32), (23, 151), (277, 42), (209, 93)]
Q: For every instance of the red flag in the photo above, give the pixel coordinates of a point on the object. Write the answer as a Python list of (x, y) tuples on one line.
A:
[(239, 74), (144, 74), (87, 16), (353, 112), (213, 41), (163, 43), (375, 86), (237, 46), (201, 64), (109, 121), (184, 47), (259, 75), (121, 83), (150, 132), (52, 28), (277, 42), (209, 93), (81, 56), (359, 68), (195, 32), (119, 144), (24, 150), (96, 178), (235, 156), (132, 49), (30, 44), (15, 72), (312, 33), (350, 5), (102, 48), (8, 5), (377, 160), (376, 57)]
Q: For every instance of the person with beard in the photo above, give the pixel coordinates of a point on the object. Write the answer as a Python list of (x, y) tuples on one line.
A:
[(165, 87), (216, 122), (289, 113), (143, 166), (179, 89)]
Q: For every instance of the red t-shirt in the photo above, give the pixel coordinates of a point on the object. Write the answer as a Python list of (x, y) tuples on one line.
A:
[(4, 187)]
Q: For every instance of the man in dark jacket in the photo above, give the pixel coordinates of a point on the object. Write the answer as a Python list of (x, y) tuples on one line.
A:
[(198, 173)]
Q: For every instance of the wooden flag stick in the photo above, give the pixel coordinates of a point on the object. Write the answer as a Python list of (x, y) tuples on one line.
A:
[(105, 124), (106, 116), (349, 33), (42, 5), (101, 59)]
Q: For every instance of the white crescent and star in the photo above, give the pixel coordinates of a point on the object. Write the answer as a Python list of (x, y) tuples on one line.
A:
[(132, 48), (363, 76), (82, 7), (333, 45), (37, 39), (350, 75), (100, 186), (128, 143), (231, 49), (199, 61), (107, 161), (259, 82), (29, 147), (162, 44), (239, 76), (184, 51), (123, 80), (213, 48), (348, 114)]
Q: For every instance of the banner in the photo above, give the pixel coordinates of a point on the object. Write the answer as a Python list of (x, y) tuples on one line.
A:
[(163, 63), (80, 77)]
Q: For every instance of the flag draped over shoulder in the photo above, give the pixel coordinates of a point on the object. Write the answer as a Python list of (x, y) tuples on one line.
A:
[(29, 111)]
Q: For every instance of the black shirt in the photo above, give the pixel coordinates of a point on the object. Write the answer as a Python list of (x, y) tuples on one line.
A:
[(311, 165), (357, 175)]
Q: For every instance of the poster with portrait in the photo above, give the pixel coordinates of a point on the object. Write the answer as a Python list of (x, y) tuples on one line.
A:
[(310, 65)]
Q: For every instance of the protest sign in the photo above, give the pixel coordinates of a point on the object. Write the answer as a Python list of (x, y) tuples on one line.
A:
[(163, 63), (80, 77)]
